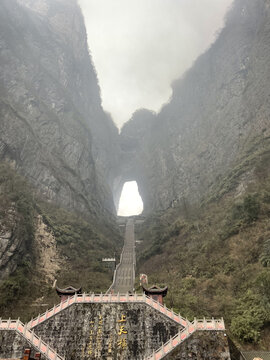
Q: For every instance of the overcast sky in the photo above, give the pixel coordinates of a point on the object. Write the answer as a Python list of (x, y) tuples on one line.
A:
[(140, 46)]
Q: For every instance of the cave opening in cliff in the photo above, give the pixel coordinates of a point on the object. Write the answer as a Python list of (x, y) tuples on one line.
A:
[(130, 200)]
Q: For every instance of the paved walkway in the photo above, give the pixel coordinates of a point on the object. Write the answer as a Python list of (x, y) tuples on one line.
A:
[(125, 273)]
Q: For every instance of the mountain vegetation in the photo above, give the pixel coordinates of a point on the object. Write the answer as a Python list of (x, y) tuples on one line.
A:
[(214, 256), (80, 245)]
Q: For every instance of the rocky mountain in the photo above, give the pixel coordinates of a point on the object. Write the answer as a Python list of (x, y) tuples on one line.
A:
[(58, 157), (202, 166), (53, 128), (217, 117)]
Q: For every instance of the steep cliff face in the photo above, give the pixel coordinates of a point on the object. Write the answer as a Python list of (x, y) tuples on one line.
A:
[(41, 242), (53, 128), (218, 114)]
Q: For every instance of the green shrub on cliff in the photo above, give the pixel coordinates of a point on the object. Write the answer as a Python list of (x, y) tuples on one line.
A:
[(249, 317)]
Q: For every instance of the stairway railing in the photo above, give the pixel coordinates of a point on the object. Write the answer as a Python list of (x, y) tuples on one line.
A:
[(108, 298), (196, 325), (31, 337)]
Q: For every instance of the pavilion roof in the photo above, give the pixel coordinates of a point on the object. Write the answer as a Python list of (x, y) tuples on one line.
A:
[(69, 290), (155, 290)]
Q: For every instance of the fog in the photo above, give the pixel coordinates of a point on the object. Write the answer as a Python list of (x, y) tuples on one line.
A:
[(140, 46), (130, 201)]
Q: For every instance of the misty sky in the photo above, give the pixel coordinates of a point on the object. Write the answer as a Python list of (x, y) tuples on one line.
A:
[(140, 46)]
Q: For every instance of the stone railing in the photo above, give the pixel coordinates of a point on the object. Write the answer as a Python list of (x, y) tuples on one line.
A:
[(31, 337), (108, 298), (204, 324)]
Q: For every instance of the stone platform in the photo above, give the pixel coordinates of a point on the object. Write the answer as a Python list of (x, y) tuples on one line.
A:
[(114, 327)]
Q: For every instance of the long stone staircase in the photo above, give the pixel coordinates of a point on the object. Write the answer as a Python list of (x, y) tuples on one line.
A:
[(124, 274), (29, 335)]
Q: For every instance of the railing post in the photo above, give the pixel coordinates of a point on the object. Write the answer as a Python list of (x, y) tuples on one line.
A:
[(46, 313), (195, 323), (162, 349), (127, 297), (83, 297), (179, 336), (75, 297), (92, 297), (101, 297), (144, 297), (118, 297), (154, 355), (204, 323), (8, 323)]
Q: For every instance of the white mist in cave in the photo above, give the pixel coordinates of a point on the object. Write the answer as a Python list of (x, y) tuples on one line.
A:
[(130, 201)]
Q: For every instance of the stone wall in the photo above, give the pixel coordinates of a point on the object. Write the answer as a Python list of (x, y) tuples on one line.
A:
[(202, 345), (93, 331)]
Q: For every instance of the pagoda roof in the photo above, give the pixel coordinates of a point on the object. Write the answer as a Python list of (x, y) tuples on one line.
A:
[(155, 290), (70, 290)]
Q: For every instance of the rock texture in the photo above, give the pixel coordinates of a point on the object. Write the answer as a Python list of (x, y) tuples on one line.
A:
[(203, 345), (93, 331), (48, 255), (12, 247), (53, 128), (219, 112)]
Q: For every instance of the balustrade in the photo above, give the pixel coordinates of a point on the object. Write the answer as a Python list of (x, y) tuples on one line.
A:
[(31, 337)]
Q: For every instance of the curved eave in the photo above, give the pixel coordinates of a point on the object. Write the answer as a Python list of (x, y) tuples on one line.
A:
[(68, 291), (161, 291)]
